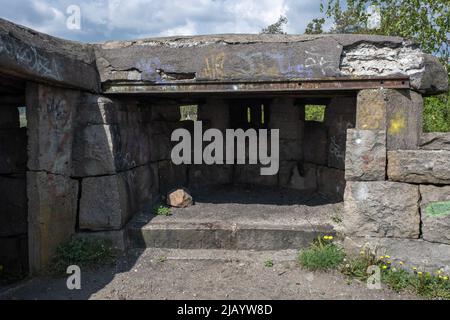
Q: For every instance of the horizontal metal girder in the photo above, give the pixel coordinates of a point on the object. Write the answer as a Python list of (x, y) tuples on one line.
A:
[(329, 84)]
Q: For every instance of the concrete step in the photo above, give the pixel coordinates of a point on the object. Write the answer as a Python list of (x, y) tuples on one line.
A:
[(234, 226), (220, 236)]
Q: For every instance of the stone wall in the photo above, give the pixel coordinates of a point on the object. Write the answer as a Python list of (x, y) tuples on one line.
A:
[(324, 147), (13, 199), (398, 180)]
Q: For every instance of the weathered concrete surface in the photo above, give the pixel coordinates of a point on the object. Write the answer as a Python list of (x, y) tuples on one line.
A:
[(171, 176), (33, 55), (13, 150), (264, 57), (261, 218), (399, 112), (9, 116), (298, 175), (117, 238), (435, 141), (14, 254), (381, 209), (340, 115), (368, 59), (365, 157), (204, 175), (419, 166), (108, 202), (331, 182), (404, 119), (315, 146), (50, 115), (423, 255), (435, 212), (106, 149), (371, 109), (13, 212), (52, 210)]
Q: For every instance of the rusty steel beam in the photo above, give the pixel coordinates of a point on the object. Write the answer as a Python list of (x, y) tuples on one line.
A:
[(328, 84)]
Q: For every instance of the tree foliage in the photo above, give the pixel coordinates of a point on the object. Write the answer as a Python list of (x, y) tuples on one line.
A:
[(277, 27), (426, 22), (315, 26)]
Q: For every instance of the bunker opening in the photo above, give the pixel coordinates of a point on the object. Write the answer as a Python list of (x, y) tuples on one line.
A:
[(13, 181)]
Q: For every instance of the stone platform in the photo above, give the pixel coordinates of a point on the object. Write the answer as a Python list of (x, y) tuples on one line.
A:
[(240, 218)]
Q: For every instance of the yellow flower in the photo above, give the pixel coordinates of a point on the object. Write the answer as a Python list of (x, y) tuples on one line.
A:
[(441, 277), (362, 253), (439, 272), (388, 257), (420, 273), (382, 257), (384, 267), (445, 278), (401, 263), (330, 238), (388, 262), (414, 268)]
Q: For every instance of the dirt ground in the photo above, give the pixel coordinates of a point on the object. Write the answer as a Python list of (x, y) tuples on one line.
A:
[(201, 274)]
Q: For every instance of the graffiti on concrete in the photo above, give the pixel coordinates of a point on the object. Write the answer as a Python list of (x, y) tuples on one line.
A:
[(30, 57), (438, 209)]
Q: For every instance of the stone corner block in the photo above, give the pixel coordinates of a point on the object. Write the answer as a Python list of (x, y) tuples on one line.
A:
[(381, 209), (435, 213), (365, 157), (419, 166)]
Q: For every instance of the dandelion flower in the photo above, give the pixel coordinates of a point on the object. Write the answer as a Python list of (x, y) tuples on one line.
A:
[(384, 267)]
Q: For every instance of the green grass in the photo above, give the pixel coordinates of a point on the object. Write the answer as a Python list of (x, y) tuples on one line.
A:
[(314, 113), (322, 255), (436, 113), (85, 253), (161, 210), (268, 263), (399, 277)]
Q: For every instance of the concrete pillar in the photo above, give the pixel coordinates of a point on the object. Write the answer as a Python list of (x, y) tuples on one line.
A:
[(52, 194), (399, 112)]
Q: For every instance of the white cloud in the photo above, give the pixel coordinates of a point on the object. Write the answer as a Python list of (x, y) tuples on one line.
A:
[(126, 19)]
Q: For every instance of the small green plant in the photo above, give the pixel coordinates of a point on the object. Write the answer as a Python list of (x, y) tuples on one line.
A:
[(356, 267), (336, 219), (88, 253), (268, 263), (162, 210), (322, 255), (398, 277)]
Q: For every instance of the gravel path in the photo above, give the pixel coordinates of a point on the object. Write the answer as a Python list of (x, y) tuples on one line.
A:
[(202, 274)]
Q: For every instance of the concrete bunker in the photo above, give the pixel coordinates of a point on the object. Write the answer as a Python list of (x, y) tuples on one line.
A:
[(100, 117)]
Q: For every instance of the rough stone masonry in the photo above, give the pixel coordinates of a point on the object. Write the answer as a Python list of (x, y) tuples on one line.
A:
[(99, 119)]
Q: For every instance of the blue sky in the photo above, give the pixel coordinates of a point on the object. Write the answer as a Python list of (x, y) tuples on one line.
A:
[(132, 19)]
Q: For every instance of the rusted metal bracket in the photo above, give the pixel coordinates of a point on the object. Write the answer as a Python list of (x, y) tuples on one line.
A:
[(310, 85)]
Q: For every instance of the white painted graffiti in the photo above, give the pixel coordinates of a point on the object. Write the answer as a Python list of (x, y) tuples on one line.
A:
[(29, 57)]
